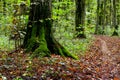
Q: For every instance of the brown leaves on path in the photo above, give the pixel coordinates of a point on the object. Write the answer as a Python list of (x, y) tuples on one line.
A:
[(105, 60), (101, 62)]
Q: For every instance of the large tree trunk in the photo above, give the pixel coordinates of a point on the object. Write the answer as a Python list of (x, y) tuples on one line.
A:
[(80, 18), (39, 38)]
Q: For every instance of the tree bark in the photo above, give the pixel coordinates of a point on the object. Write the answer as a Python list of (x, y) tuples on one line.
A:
[(4, 7), (39, 38), (99, 29), (115, 33), (97, 21), (80, 18)]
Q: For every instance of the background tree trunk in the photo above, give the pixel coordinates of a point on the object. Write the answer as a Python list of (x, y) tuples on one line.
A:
[(104, 16), (100, 23), (39, 38), (97, 21), (80, 18), (115, 19), (4, 7)]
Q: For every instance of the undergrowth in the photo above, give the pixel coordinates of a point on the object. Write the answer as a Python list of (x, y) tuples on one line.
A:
[(5, 44)]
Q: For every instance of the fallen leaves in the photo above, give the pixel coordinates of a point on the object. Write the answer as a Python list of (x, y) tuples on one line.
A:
[(95, 65), (115, 78)]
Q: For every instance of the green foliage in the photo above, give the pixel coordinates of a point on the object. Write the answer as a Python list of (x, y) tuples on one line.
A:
[(63, 15), (5, 44), (5, 25), (18, 78), (9, 24), (64, 26)]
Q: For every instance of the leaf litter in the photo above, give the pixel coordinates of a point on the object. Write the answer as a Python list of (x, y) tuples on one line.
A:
[(101, 62)]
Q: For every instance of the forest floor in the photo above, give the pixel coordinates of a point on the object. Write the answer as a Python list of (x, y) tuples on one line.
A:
[(101, 62)]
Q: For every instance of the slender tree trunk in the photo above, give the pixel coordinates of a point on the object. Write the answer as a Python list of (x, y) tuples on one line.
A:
[(4, 7), (39, 38), (89, 11), (104, 17), (97, 22), (100, 17), (80, 18), (110, 13), (118, 15), (115, 19)]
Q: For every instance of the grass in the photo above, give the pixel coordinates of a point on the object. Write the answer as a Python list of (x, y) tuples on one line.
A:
[(5, 44)]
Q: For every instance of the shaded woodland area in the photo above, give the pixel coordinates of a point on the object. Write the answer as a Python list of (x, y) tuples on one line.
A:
[(59, 40)]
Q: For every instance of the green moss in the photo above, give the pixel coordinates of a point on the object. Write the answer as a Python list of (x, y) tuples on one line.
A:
[(31, 44), (60, 52), (42, 50), (66, 53), (38, 47)]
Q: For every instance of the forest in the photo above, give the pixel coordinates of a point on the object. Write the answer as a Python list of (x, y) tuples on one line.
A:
[(59, 40)]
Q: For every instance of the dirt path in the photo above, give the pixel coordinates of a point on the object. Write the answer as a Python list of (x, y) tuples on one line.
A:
[(110, 49), (104, 47), (104, 64)]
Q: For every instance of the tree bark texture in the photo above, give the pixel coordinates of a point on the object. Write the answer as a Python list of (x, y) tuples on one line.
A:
[(115, 33), (39, 38), (100, 23), (80, 18)]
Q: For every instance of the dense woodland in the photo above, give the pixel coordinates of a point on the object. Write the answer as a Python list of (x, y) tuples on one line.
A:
[(59, 40)]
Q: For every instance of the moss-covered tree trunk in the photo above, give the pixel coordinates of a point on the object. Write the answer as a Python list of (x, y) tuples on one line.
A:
[(39, 37), (80, 18)]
